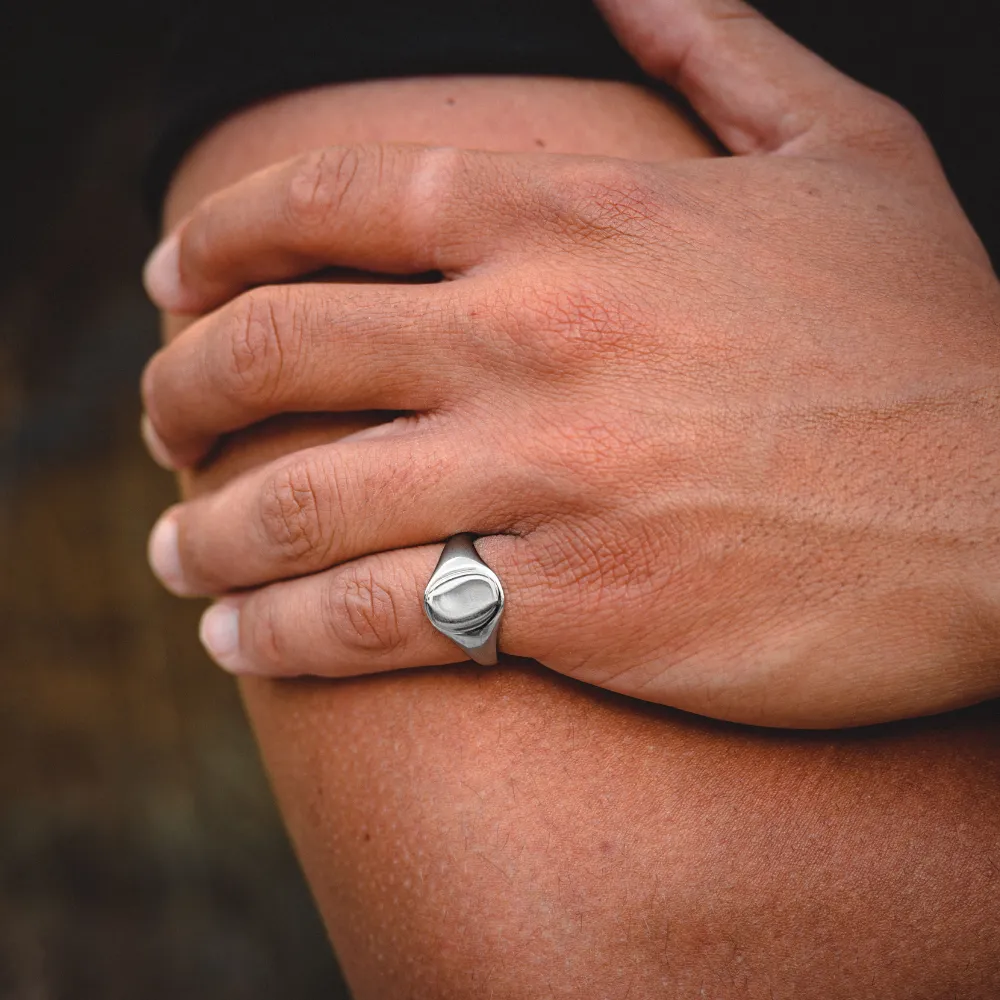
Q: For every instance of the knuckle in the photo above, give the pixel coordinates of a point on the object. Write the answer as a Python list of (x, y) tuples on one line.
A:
[(591, 574), (320, 184), (899, 118), (888, 127), (256, 345), (558, 572), (363, 614), (610, 200), (295, 514), (574, 323), (437, 176), (438, 170)]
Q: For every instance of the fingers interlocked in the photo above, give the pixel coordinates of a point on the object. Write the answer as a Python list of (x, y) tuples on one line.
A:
[(573, 388)]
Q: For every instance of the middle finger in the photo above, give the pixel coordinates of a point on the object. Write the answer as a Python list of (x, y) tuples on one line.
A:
[(304, 348)]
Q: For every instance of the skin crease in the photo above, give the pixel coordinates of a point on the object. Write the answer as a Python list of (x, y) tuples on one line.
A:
[(733, 421), (509, 833)]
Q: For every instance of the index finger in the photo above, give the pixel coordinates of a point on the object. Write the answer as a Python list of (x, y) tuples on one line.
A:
[(395, 209)]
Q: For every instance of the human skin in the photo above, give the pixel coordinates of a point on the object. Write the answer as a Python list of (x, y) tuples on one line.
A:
[(736, 422), (506, 832)]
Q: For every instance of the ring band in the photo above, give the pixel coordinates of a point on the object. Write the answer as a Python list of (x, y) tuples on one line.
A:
[(464, 600)]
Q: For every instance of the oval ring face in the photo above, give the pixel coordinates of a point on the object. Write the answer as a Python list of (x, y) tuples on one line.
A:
[(464, 599)]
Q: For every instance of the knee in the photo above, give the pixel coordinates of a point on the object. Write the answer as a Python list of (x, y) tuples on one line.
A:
[(520, 836)]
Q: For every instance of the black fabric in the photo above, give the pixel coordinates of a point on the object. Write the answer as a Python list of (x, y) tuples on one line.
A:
[(935, 58), (224, 57)]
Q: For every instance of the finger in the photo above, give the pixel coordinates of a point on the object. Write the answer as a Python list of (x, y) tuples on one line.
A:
[(394, 209), (329, 504), (298, 349), (363, 617), (757, 88)]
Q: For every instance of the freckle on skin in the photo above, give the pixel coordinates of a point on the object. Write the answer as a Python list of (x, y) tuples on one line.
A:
[(540, 143), (450, 101)]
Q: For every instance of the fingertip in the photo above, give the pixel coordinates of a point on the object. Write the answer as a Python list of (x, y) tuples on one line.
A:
[(219, 632), (165, 557), (154, 445), (162, 275)]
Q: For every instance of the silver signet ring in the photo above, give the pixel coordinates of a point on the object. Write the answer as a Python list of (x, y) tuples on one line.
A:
[(464, 600)]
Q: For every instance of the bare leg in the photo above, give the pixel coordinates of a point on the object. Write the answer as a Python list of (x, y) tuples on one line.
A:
[(507, 833)]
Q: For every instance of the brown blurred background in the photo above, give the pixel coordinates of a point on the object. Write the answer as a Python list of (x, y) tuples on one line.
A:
[(140, 853)]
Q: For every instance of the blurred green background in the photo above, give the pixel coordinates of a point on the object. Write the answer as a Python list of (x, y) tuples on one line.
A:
[(140, 852)]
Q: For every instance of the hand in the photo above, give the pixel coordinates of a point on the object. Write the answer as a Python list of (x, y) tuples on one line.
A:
[(731, 429)]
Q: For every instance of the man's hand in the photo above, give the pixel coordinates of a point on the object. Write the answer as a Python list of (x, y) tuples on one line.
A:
[(731, 428)]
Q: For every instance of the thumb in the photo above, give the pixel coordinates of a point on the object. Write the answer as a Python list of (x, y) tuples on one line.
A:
[(759, 90)]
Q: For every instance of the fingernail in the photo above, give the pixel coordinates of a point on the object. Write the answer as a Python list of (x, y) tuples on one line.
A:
[(154, 445), (165, 555), (162, 274), (220, 635)]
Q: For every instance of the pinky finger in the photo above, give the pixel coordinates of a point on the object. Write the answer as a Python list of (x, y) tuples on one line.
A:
[(362, 617)]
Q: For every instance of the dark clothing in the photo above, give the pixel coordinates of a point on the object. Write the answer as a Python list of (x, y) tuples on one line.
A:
[(224, 56), (220, 61)]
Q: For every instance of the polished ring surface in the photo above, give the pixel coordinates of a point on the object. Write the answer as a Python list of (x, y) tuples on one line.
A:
[(464, 600)]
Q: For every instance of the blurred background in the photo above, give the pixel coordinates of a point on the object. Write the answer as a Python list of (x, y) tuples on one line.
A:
[(140, 853)]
